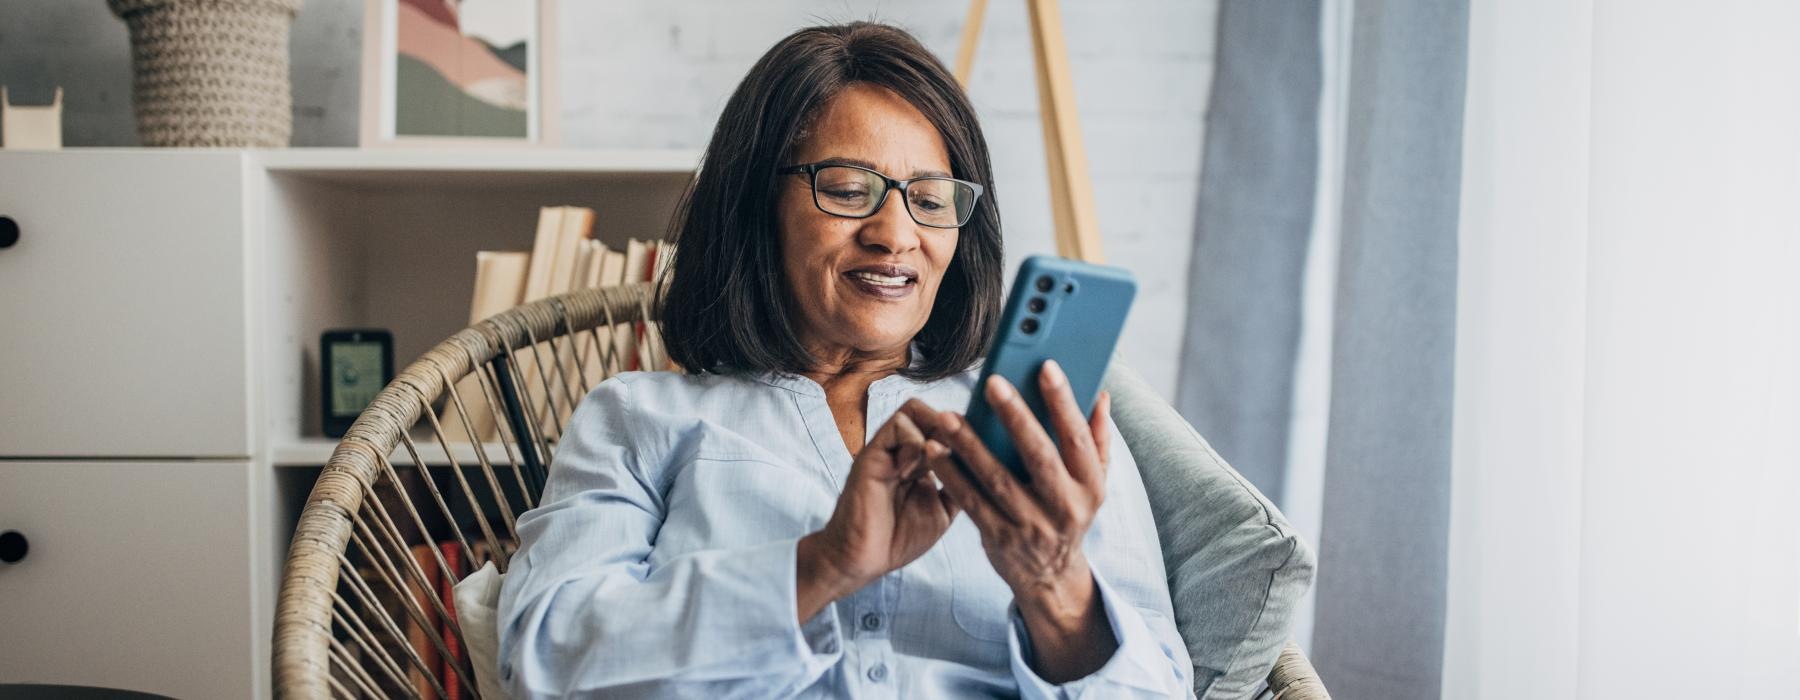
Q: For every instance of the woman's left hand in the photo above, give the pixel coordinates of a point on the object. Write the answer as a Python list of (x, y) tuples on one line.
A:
[(1032, 533)]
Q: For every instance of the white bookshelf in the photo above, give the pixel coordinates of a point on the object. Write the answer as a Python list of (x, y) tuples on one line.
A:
[(174, 301), (387, 239), (521, 160)]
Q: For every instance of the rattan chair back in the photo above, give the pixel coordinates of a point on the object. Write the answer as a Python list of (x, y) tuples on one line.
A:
[(361, 611)]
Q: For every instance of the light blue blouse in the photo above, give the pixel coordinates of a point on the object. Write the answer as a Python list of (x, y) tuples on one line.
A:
[(661, 562)]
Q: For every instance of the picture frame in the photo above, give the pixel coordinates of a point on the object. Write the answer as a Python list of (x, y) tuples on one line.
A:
[(459, 73)]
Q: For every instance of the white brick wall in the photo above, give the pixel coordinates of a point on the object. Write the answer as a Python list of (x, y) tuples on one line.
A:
[(650, 73)]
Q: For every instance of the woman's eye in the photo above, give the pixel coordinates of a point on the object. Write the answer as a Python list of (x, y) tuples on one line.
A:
[(845, 195), (928, 203)]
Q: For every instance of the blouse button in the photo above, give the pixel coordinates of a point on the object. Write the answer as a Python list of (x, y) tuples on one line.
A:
[(878, 673), (871, 622)]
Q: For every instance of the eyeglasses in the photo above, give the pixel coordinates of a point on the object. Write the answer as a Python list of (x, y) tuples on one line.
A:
[(856, 192)]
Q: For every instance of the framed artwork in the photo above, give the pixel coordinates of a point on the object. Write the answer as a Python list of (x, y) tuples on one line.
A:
[(459, 72)]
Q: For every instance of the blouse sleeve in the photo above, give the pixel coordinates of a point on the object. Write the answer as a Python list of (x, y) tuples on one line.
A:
[(1147, 663), (582, 612)]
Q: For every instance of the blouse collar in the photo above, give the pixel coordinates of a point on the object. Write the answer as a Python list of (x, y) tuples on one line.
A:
[(803, 385)]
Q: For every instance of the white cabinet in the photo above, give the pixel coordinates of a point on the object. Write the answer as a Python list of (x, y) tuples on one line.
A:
[(159, 324), (122, 306), (137, 577)]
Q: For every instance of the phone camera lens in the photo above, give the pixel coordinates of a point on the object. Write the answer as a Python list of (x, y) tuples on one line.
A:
[(1045, 284), (1028, 326), (1036, 305)]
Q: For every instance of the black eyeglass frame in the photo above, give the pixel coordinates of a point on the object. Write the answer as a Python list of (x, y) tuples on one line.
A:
[(811, 171)]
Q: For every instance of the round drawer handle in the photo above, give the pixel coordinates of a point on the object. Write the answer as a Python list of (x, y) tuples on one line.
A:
[(13, 546), (9, 232)]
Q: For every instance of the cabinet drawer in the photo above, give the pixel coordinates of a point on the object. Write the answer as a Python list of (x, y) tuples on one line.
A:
[(137, 577), (122, 305)]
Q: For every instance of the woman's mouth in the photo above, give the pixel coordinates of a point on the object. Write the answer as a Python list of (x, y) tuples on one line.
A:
[(883, 281)]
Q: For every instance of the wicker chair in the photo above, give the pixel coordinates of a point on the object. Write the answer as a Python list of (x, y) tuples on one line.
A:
[(350, 592)]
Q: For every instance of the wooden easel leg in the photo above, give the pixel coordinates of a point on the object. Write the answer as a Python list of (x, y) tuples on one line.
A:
[(971, 35), (1071, 192)]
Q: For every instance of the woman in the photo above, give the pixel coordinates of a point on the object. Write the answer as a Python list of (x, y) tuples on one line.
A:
[(772, 524)]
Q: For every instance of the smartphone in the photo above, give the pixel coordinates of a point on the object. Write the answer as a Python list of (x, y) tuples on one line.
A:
[(1058, 309)]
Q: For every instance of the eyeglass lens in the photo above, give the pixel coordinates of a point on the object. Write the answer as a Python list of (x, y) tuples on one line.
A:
[(854, 192)]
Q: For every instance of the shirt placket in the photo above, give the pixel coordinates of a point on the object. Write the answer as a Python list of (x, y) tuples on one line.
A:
[(871, 618), (874, 607), (815, 415)]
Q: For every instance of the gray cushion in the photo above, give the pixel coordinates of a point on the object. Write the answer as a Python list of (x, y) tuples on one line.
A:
[(1236, 568)]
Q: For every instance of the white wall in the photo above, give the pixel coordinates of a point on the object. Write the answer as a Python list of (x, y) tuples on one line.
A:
[(648, 73)]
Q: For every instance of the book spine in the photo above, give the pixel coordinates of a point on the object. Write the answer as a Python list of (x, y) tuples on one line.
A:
[(458, 657), (416, 633)]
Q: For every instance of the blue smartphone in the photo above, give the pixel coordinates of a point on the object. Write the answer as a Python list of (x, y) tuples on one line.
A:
[(1058, 309)]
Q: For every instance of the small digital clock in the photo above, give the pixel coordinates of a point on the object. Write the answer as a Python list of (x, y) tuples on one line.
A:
[(354, 364)]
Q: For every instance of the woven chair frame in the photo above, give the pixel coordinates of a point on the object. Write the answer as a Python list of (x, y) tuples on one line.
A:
[(352, 559)]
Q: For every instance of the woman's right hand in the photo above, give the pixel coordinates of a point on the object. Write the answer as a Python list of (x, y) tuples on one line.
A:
[(890, 513)]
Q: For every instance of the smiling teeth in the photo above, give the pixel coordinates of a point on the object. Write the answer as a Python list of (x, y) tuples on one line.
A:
[(882, 280)]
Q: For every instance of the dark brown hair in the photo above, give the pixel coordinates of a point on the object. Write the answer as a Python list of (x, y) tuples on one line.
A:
[(727, 306)]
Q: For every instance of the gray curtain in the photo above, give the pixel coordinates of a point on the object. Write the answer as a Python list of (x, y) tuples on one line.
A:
[(1379, 622), (1383, 549), (1257, 178)]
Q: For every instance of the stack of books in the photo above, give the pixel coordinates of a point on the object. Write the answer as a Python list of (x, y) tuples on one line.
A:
[(443, 677), (565, 257)]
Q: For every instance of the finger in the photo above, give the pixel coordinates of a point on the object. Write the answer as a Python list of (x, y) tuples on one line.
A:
[(924, 492), (1003, 490), (909, 445), (924, 497), (917, 498), (961, 490), (1100, 425), (922, 415), (929, 480), (1043, 465), (1074, 438), (951, 509)]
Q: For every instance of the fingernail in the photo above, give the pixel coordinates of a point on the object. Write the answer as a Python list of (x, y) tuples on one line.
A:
[(947, 422), (998, 388), (934, 449), (1053, 372)]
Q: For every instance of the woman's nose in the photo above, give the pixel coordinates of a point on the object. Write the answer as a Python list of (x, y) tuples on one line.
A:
[(891, 228)]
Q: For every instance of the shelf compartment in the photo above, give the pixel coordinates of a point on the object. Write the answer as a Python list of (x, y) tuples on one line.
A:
[(387, 239)]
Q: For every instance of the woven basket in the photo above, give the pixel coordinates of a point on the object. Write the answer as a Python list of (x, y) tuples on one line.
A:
[(210, 72)]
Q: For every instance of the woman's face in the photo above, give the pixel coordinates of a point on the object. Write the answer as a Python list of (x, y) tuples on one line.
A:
[(864, 286)]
